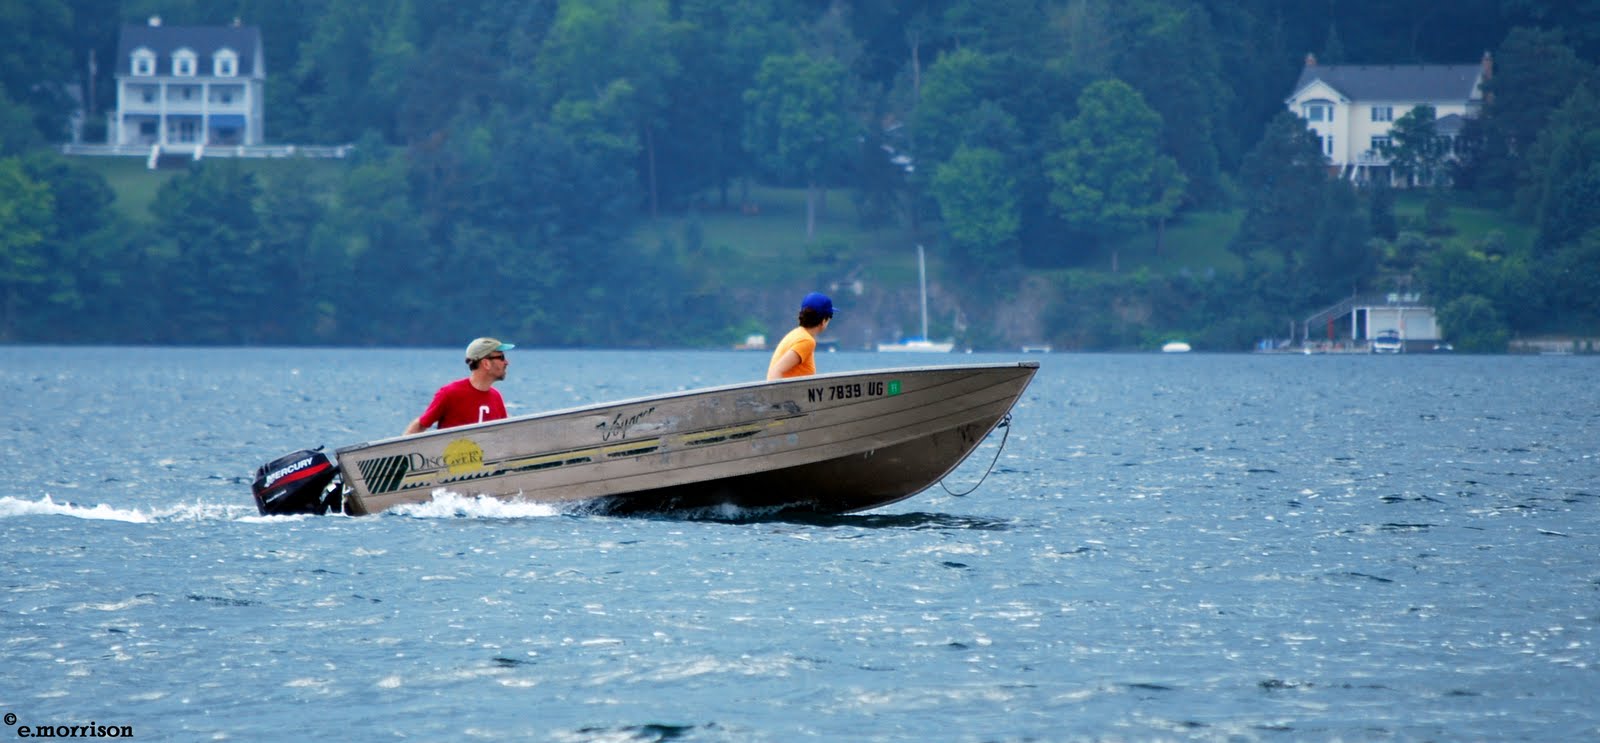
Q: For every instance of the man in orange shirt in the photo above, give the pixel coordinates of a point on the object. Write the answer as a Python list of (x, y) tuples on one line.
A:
[(796, 354)]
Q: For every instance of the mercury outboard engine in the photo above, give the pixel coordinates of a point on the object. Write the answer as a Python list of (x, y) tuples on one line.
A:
[(303, 482)]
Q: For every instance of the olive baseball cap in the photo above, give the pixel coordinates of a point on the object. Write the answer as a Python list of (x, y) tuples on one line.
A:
[(482, 347)]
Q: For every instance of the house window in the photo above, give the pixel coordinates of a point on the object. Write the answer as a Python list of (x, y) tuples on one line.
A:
[(183, 93), (1380, 144), (1327, 145), (147, 93), (1319, 112), (144, 62), (1383, 113), (225, 63), (183, 63), (225, 94)]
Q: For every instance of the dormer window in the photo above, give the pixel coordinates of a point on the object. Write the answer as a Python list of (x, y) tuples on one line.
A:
[(1319, 111), (225, 63), (183, 63), (144, 62)]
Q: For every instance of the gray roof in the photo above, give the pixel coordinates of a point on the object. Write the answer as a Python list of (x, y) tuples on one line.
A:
[(204, 41), (1449, 124), (1396, 82)]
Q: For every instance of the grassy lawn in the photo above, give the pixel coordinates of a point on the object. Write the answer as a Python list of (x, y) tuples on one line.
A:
[(136, 185), (1195, 242), (768, 245), (1471, 223)]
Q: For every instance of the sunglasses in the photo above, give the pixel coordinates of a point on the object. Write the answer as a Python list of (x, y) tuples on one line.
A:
[(495, 357)]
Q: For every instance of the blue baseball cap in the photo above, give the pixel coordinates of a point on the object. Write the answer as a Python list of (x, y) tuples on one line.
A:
[(819, 303)]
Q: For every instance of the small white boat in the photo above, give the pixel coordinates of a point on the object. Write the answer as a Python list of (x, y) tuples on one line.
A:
[(917, 345), (1175, 347), (920, 344)]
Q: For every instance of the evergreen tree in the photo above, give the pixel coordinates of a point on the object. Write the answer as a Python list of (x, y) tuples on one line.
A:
[(1110, 178)]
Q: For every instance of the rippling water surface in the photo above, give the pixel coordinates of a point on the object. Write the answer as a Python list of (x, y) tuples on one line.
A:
[(1208, 547)]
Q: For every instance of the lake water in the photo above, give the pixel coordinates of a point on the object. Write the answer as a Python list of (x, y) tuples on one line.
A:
[(1169, 547)]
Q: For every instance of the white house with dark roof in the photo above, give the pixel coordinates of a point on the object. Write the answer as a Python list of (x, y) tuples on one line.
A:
[(1352, 108), (183, 88)]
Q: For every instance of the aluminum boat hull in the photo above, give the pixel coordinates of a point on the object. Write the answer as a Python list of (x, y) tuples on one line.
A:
[(829, 443)]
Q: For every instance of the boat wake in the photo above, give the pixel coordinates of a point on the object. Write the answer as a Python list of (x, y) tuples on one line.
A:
[(443, 505), (46, 506), (448, 505)]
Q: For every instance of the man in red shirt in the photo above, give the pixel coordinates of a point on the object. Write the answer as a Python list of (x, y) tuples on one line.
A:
[(470, 400)]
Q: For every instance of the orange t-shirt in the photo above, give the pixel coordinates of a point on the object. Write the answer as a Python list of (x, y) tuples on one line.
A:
[(804, 345)]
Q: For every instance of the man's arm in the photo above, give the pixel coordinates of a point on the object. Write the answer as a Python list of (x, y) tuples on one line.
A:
[(789, 360)]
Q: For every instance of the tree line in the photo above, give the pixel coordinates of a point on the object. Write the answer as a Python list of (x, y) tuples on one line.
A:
[(506, 150)]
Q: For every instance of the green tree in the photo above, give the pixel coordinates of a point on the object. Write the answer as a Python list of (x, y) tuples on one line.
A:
[(1157, 39), (1340, 256), (1572, 283), (25, 222), (1380, 210), (1471, 323), (351, 72), (74, 272), (619, 50), (291, 208), (217, 283), (1282, 182), (1534, 71), (957, 104), (36, 61), (82, 197), (719, 47), (1566, 162), (1109, 178), (18, 134), (798, 125), (375, 232), (1416, 152), (978, 197)]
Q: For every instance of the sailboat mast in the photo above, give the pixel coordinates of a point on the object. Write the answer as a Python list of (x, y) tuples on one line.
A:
[(922, 281)]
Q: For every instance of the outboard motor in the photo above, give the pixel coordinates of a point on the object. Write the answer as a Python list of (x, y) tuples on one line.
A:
[(303, 482)]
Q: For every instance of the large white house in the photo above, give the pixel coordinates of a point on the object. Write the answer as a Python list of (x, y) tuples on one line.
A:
[(182, 88), (1352, 108)]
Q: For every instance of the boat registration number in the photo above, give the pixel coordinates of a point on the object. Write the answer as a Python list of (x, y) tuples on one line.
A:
[(850, 391)]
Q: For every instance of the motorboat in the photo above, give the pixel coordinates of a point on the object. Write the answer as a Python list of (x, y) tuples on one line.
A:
[(827, 443), (1388, 341), (1175, 347)]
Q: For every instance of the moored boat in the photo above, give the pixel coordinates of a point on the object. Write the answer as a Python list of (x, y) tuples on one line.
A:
[(829, 443), (919, 344)]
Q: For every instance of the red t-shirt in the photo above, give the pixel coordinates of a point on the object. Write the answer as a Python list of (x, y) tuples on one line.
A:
[(459, 403)]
